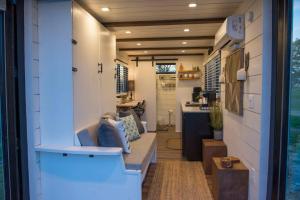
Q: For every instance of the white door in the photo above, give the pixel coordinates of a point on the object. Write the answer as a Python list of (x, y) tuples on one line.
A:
[(108, 82), (85, 59)]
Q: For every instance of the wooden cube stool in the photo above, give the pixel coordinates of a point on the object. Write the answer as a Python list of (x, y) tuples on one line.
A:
[(229, 184), (212, 148)]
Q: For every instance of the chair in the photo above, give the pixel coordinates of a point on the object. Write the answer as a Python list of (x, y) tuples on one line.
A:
[(139, 109)]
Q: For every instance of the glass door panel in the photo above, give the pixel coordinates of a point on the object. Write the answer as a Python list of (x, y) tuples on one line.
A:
[(293, 162), (2, 96), (2, 190)]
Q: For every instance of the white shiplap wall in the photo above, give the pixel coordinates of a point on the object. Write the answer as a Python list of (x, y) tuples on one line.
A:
[(32, 95), (242, 133)]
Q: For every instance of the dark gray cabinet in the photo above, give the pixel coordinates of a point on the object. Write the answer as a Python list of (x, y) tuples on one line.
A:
[(195, 127)]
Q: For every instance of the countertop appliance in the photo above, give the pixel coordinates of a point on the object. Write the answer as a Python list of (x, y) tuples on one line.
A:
[(196, 93)]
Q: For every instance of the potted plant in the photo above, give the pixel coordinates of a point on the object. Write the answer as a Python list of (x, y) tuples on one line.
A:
[(216, 118)]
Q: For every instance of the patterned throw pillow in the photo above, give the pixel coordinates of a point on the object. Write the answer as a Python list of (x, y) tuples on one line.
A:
[(130, 127), (122, 133)]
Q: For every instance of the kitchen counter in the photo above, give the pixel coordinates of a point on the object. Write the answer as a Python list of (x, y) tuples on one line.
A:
[(192, 109)]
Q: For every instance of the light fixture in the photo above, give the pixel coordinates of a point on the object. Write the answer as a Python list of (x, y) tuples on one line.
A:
[(145, 51), (186, 30), (183, 51), (139, 44), (105, 9), (184, 42), (192, 5), (128, 32)]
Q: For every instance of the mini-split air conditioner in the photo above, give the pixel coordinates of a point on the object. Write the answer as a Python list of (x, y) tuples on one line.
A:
[(231, 33)]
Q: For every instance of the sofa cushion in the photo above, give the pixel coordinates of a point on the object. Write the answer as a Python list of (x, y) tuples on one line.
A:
[(89, 136), (141, 151), (130, 127), (136, 119), (108, 135), (122, 135)]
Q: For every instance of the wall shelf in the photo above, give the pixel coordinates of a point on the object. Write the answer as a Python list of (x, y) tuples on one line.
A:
[(187, 79), (185, 75)]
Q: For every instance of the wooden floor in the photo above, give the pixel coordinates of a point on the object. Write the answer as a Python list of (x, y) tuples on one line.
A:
[(174, 178)]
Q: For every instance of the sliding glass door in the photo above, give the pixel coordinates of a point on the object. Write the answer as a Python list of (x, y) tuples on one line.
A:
[(13, 143), (293, 149), (2, 189), (2, 97)]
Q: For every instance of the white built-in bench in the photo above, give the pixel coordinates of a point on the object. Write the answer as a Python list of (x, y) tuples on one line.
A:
[(78, 172)]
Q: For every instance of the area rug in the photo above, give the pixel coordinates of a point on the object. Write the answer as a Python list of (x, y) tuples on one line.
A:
[(178, 180)]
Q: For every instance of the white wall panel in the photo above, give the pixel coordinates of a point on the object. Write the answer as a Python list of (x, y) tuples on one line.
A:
[(145, 88), (108, 82), (243, 134), (87, 90), (56, 79)]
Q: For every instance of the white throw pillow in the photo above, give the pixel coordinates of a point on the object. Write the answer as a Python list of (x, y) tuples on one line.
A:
[(122, 133)]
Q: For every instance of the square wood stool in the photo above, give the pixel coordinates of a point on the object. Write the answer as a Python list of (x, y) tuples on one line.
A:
[(229, 184), (212, 148)]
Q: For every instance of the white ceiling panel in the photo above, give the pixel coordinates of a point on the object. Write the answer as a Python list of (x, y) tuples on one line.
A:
[(139, 10), (176, 43), (155, 10), (166, 52), (167, 31)]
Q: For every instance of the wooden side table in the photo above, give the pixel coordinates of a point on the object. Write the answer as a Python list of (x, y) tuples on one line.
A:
[(212, 148), (229, 184)]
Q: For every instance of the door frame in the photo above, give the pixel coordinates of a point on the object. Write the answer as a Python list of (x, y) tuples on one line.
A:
[(281, 32)]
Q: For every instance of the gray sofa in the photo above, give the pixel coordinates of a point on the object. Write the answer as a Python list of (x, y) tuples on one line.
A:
[(143, 150)]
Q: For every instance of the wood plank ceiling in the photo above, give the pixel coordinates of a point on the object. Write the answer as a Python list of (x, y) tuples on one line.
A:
[(157, 26)]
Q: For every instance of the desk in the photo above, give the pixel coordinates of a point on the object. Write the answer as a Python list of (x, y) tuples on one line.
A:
[(128, 105)]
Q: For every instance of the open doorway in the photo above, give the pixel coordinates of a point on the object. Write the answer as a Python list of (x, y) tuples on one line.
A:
[(165, 95)]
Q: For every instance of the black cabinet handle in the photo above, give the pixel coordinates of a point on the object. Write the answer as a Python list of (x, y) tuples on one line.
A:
[(74, 69), (101, 68)]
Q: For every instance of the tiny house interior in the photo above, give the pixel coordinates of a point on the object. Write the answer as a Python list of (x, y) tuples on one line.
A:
[(182, 81)]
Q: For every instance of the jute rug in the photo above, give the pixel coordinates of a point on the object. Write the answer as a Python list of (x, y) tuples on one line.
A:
[(178, 180)]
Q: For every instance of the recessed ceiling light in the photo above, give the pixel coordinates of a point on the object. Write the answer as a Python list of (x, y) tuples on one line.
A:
[(145, 51), (139, 44), (186, 30), (128, 32), (184, 42), (105, 9), (192, 5), (183, 51)]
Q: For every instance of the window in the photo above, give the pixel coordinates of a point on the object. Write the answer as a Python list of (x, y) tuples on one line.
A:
[(122, 78), (166, 68), (212, 73)]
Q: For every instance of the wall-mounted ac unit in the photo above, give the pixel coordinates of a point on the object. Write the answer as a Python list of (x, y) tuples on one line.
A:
[(231, 33)]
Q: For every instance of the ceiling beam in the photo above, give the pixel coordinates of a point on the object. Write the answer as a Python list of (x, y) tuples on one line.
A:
[(164, 48), (164, 22), (156, 59), (209, 37), (151, 55)]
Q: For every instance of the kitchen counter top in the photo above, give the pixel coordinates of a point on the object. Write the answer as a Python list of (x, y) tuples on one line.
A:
[(191, 109)]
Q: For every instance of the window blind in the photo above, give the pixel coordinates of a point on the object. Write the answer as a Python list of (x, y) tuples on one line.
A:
[(122, 78), (212, 73)]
